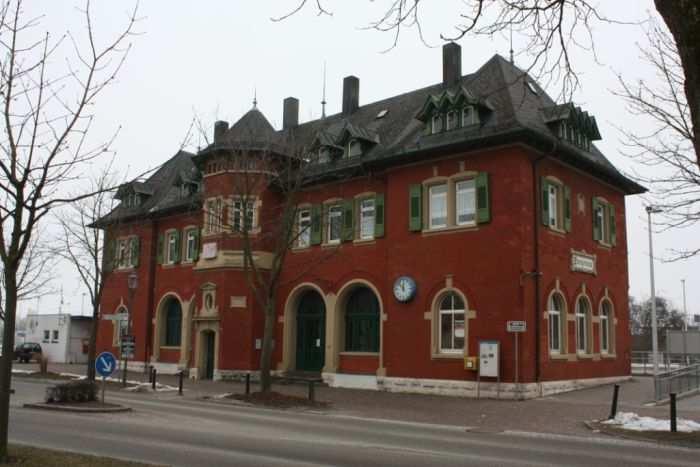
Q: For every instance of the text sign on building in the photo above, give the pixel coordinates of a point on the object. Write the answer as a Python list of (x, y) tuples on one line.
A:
[(583, 262), (209, 250), (516, 326), (488, 358)]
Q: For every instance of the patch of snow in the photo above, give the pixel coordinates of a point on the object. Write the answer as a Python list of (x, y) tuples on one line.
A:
[(23, 372), (222, 396), (72, 375), (632, 421)]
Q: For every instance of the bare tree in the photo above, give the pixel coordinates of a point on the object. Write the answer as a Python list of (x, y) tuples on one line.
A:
[(552, 28), (47, 115), (668, 147), (82, 245)]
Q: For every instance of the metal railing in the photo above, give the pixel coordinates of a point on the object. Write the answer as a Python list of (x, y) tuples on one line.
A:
[(679, 381), (643, 361)]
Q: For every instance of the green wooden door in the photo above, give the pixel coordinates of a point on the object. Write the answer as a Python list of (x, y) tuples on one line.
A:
[(311, 333), (209, 355)]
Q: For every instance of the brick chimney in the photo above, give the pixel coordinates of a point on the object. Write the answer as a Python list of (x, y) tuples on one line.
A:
[(220, 129), (290, 113), (351, 94), (451, 63)]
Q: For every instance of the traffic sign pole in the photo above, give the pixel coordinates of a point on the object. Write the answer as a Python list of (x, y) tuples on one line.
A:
[(105, 364), (103, 388)]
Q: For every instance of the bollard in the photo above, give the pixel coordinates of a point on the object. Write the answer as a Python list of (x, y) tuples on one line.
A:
[(673, 412), (179, 383), (150, 373), (153, 380), (312, 391), (613, 407), (247, 384)]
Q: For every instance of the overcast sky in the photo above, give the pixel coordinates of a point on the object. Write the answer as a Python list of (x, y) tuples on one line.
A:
[(208, 57)]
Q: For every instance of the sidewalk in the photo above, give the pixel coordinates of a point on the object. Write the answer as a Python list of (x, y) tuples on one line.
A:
[(563, 413)]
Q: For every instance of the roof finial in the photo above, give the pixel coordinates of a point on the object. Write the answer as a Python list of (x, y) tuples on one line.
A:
[(255, 98), (511, 45), (323, 99)]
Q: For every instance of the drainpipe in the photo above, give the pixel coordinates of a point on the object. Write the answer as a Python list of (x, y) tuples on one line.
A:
[(153, 264), (536, 243)]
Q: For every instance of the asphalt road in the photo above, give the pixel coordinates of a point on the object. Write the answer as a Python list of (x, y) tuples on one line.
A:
[(165, 430)]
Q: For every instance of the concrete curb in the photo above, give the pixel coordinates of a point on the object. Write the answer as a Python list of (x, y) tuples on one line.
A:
[(77, 409)]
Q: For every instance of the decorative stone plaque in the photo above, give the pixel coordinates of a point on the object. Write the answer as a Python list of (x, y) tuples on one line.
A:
[(583, 262), (209, 250)]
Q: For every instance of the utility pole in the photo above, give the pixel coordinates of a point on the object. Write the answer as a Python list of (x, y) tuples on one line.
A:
[(654, 336), (685, 308)]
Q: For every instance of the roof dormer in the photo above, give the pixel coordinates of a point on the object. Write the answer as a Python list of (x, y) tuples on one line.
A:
[(572, 124)]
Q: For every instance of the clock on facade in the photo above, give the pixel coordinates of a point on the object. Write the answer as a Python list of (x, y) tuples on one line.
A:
[(404, 289)]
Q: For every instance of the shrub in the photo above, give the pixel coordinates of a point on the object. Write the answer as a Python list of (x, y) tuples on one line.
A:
[(72, 391)]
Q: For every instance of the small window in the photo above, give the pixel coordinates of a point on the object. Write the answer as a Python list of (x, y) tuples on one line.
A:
[(54, 337), (171, 248), (556, 316), (190, 245), (554, 195), (47, 336), (603, 222), (606, 320), (367, 217), (583, 314), (469, 116), (438, 206), (354, 148), (466, 202), (436, 124), (304, 228), (335, 223), (452, 331), (451, 120)]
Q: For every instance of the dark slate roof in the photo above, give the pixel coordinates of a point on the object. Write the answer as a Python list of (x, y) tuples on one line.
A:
[(512, 108), (166, 194)]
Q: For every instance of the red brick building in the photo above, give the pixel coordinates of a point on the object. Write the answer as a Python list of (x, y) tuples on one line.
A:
[(435, 217)]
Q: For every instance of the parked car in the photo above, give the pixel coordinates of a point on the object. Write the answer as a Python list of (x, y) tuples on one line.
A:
[(27, 352)]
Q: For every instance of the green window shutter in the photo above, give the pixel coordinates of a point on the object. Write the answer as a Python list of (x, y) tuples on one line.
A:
[(567, 208), (379, 215), (195, 254), (545, 201), (178, 246), (316, 224), (135, 251), (109, 255), (483, 208), (415, 203), (161, 245), (613, 227), (348, 224), (597, 228)]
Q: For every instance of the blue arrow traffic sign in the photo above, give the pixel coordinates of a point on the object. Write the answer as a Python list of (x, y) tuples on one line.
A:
[(105, 364)]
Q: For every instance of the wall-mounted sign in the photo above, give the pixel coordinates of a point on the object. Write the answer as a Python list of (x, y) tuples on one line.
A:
[(209, 250), (516, 326), (489, 358), (583, 262)]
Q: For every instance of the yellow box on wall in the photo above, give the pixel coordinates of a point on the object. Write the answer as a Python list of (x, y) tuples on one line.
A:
[(471, 363)]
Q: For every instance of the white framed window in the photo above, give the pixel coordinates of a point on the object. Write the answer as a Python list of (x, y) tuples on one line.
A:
[(451, 120), (54, 337), (452, 331), (437, 206), (436, 123), (465, 193), (606, 321), (555, 312), (304, 228), (122, 253), (583, 317), (335, 223), (554, 195), (354, 148), (602, 222), (243, 220), (47, 336), (213, 215), (171, 247), (190, 245), (367, 218)]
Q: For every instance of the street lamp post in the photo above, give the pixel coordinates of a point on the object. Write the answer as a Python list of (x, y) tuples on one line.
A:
[(685, 308), (654, 336), (132, 283)]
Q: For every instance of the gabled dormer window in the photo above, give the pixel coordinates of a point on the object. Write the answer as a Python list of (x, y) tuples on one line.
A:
[(469, 116), (324, 155), (354, 148), (436, 126), (452, 121), (133, 200)]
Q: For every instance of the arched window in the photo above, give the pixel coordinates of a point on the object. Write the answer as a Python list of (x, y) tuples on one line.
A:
[(556, 315), (362, 321), (606, 327), (452, 332), (173, 323), (583, 320)]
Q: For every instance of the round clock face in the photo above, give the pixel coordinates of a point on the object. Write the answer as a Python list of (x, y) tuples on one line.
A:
[(404, 289)]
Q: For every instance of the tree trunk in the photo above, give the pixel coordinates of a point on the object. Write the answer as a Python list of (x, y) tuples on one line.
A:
[(266, 355), (8, 343), (683, 20), (92, 345)]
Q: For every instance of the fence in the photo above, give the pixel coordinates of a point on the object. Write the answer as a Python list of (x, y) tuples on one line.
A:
[(680, 381), (643, 362)]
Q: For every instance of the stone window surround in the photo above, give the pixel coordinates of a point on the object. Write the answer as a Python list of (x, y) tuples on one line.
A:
[(116, 332), (589, 325), (560, 204), (229, 206), (185, 233), (451, 182), (358, 198), (605, 232), (159, 328), (206, 232), (612, 326), (433, 315), (167, 260), (563, 324), (127, 241), (303, 207), (325, 221)]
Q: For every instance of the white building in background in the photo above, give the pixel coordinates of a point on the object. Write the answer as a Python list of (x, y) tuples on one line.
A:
[(63, 338)]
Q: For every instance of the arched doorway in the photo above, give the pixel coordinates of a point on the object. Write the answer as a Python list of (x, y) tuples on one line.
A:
[(172, 323), (311, 332), (362, 321)]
